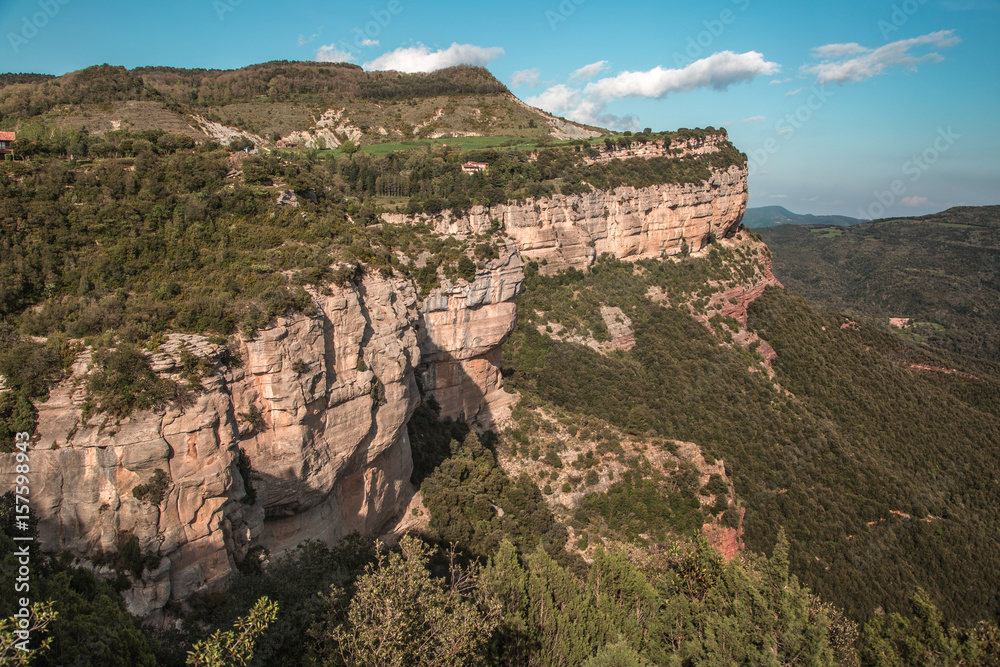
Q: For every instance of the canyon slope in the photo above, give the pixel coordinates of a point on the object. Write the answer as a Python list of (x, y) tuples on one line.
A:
[(297, 431)]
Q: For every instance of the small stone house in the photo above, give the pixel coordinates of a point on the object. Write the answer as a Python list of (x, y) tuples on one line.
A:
[(6, 144), (473, 167)]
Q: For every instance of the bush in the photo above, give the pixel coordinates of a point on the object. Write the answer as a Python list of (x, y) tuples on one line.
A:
[(552, 459), (154, 490), (17, 415), (124, 382), (731, 518), (466, 268)]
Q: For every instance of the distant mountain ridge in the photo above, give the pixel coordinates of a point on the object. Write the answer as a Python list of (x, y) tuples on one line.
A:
[(772, 216), (939, 271)]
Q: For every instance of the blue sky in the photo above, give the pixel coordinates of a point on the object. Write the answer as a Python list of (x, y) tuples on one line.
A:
[(859, 108)]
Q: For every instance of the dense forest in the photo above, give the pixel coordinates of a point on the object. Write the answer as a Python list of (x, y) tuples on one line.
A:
[(883, 476), (274, 100), (941, 271), (26, 95)]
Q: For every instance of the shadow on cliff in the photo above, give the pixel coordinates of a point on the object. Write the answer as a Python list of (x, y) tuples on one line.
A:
[(432, 429)]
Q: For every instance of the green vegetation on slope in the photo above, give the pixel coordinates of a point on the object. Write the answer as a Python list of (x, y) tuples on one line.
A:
[(942, 271), (884, 476), (273, 100)]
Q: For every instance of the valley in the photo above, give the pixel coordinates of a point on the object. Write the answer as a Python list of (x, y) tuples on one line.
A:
[(255, 320)]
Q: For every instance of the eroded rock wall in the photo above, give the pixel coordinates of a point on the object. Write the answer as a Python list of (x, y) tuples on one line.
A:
[(564, 231), (319, 404), (462, 329)]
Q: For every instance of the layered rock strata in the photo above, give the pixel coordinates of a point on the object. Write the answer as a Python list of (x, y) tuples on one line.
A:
[(319, 404), (462, 329), (564, 231)]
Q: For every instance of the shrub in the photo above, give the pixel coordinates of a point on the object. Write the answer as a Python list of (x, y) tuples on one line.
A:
[(552, 459), (124, 382), (466, 268), (246, 473), (154, 490)]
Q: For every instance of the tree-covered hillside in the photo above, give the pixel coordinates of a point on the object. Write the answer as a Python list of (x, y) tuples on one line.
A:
[(274, 100), (884, 475), (941, 271)]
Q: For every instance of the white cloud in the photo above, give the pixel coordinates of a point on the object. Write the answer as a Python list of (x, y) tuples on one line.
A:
[(369, 42), (420, 58), (331, 54), (914, 201), (785, 131), (792, 93), (718, 71), (525, 77), (779, 196), (868, 63), (303, 40), (588, 72), (778, 82), (754, 119), (839, 50)]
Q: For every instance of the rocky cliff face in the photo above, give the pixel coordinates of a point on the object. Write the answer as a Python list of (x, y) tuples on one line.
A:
[(462, 329), (630, 223), (319, 404), (333, 394)]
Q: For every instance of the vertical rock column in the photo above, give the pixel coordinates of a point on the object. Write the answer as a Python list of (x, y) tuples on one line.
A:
[(462, 329), (333, 392)]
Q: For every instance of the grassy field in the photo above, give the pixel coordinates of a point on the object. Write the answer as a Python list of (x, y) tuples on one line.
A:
[(471, 143), (465, 143), (827, 233)]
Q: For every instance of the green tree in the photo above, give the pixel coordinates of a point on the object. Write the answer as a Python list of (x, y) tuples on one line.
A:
[(924, 639), (234, 647), (400, 615), (42, 615)]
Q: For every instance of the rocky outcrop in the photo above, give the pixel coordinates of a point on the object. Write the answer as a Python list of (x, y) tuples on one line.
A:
[(334, 394), (653, 149), (630, 223), (462, 329), (620, 333), (319, 404), (733, 299), (724, 533)]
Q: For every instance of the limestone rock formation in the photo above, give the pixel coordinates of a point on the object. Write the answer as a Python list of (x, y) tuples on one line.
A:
[(462, 329), (333, 394), (319, 404), (630, 223)]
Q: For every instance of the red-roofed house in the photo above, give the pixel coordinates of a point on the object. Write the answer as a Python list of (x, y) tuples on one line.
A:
[(6, 144), (473, 167)]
